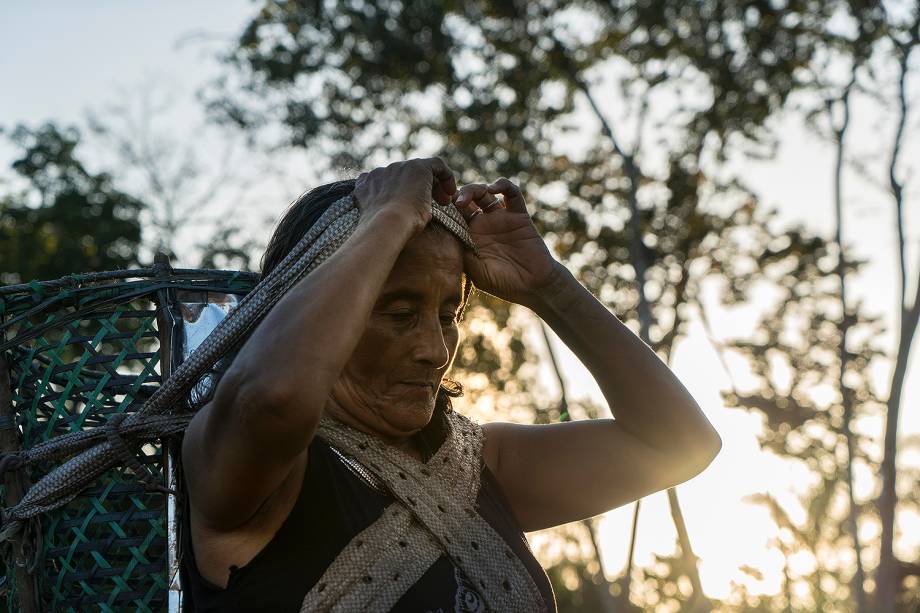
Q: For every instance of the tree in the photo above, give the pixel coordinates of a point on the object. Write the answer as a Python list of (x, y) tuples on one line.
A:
[(190, 188), (793, 354), (876, 47), (64, 219)]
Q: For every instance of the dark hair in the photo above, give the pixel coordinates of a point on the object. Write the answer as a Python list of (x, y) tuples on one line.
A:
[(297, 221), (299, 218)]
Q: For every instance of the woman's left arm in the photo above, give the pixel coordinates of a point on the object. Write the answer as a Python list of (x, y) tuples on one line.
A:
[(554, 474)]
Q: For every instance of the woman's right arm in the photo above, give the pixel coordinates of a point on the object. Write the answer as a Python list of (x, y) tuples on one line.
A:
[(239, 447)]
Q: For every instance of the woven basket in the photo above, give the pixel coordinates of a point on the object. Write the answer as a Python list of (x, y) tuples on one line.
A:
[(78, 351)]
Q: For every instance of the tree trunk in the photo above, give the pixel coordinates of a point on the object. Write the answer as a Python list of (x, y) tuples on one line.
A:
[(857, 584), (887, 576)]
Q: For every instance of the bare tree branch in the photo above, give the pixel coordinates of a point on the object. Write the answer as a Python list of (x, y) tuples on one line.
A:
[(858, 581), (887, 579)]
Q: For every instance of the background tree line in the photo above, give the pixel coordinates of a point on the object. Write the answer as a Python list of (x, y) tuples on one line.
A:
[(623, 121)]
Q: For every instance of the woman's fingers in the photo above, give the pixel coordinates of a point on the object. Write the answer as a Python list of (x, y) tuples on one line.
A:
[(407, 187), (443, 185), (467, 209), (514, 198), (489, 198), (466, 199), (471, 193), (478, 194)]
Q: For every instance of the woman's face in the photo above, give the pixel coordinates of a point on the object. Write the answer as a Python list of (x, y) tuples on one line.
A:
[(389, 385)]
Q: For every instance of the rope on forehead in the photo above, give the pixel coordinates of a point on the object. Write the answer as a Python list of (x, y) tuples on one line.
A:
[(450, 218)]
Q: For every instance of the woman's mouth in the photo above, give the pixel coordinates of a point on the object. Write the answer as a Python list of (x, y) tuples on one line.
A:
[(425, 385)]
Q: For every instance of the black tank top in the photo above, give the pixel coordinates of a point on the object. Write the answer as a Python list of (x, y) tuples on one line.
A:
[(333, 506)]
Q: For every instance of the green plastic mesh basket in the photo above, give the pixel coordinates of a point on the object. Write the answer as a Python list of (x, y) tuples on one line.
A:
[(78, 351)]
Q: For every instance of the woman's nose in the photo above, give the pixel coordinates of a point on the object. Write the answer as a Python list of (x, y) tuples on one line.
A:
[(430, 345)]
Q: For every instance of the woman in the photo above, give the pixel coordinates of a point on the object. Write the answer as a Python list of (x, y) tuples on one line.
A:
[(328, 470)]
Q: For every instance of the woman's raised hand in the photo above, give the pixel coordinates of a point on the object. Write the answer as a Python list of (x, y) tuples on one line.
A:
[(513, 261), (405, 190)]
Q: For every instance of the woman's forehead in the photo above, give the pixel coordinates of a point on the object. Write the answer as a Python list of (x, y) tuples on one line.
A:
[(427, 264), (452, 295), (440, 249)]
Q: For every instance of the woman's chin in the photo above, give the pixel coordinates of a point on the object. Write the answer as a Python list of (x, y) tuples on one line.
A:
[(390, 419), (408, 418)]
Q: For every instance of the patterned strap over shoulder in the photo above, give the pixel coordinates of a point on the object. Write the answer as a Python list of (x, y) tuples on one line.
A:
[(434, 513)]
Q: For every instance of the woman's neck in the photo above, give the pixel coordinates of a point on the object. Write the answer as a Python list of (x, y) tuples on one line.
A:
[(409, 445)]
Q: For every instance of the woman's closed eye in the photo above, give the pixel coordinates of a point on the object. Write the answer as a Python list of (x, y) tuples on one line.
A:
[(447, 319)]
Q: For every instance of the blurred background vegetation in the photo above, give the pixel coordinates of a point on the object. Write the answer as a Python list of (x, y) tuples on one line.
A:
[(628, 124)]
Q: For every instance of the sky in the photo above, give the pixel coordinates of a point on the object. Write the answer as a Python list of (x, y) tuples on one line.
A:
[(59, 59)]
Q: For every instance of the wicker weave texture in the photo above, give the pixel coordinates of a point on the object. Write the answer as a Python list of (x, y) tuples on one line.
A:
[(79, 354)]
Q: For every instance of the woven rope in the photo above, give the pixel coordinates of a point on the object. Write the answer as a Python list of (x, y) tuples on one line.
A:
[(153, 420), (434, 512)]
